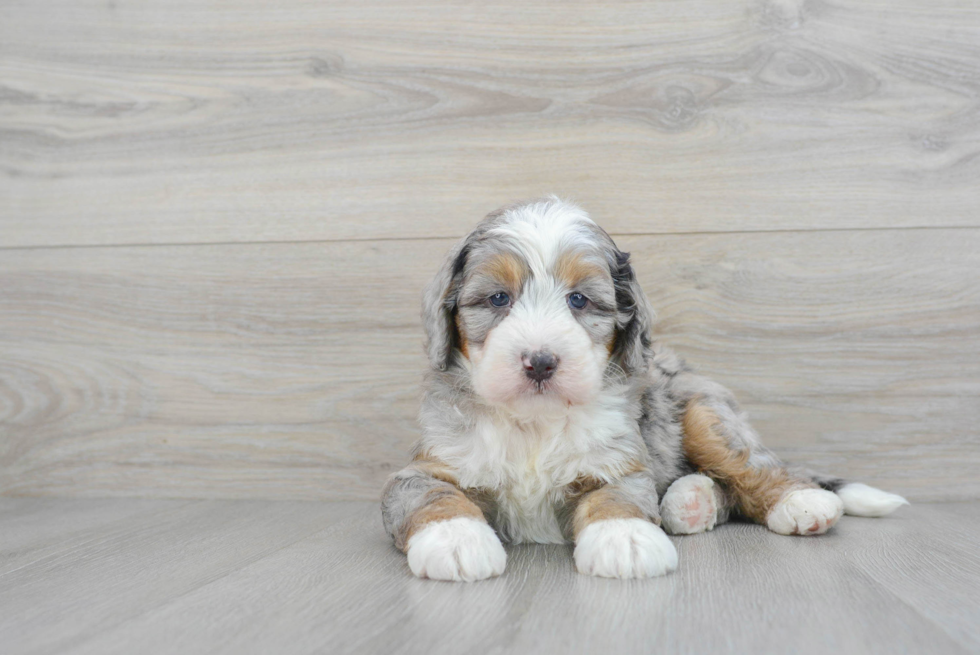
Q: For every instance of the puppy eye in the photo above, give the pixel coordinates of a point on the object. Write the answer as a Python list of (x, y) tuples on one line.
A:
[(500, 299), (577, 300)]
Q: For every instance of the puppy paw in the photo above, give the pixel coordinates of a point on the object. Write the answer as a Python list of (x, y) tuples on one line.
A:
[(624, 548), (805, 512), (457, 549), (689, 505)]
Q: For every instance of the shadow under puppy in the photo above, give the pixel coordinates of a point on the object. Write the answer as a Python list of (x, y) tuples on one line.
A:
[(549, 414)]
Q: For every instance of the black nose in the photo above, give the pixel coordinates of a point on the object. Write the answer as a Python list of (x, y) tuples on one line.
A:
[(539, 365)]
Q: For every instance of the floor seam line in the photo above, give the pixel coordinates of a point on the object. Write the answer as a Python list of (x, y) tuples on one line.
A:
[(273, 242)]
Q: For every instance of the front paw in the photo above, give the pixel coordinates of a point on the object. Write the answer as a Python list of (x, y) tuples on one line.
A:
[(624, 548), (457, 549)]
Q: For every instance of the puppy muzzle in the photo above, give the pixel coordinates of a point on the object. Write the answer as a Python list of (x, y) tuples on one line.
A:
[(539, 365)]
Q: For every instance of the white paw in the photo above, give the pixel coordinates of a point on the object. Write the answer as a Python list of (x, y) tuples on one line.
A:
[(457, 549), (805, 512), (862, 500), (624, 548), (689, 505)]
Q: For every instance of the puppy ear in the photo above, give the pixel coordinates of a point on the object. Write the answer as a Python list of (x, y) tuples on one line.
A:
[(634, 318), (439, 301)]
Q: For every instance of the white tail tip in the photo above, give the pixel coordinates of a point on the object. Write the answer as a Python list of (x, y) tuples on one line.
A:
[(862, 500)]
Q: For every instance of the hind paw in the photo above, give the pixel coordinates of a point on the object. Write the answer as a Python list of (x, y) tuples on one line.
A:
[(805, 512), (689, 505)]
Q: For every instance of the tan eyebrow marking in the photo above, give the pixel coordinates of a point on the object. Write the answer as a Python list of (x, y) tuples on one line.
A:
[(508, 269), (572, 267)]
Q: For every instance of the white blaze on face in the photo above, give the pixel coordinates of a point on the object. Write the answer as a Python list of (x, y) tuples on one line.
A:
[(540, 319)]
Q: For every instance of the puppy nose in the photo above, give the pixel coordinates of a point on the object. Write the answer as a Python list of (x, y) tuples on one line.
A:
[(539, 365)]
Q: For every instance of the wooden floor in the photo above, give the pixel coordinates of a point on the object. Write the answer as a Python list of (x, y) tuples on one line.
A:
[(153, 576)]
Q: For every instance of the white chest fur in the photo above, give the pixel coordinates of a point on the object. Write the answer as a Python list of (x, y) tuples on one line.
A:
[(526, 464)]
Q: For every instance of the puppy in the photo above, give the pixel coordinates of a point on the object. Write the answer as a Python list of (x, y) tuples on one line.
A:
[(550, 415)]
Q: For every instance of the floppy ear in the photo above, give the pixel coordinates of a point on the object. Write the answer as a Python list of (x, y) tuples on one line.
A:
[(439, 306), (634, 318)]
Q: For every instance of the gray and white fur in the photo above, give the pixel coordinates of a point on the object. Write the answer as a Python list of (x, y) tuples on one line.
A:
[(551, 415)]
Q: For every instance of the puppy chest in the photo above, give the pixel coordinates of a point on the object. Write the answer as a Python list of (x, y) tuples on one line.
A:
[(527, 468), (526, 511)]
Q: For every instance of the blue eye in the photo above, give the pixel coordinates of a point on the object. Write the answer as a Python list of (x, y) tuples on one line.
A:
[(500, 299), (577, 300)]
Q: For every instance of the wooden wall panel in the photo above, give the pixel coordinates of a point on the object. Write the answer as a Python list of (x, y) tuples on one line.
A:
[(291, 370), (162, 121), (216, 217)]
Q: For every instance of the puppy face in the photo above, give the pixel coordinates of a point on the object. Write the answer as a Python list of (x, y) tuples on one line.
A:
[(535, 305)]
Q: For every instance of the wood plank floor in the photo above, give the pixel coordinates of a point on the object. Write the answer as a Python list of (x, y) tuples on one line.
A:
[(128, 576)]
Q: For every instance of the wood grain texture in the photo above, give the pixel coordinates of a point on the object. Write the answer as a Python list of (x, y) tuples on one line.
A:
[(292, 370), (161, 121), (322, 153), (905, 584), (35, 528), (145, 559)]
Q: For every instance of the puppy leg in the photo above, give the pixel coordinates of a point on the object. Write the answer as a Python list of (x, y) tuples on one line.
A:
[(616, 533), (692, 504), (720, 444), (444, 533)]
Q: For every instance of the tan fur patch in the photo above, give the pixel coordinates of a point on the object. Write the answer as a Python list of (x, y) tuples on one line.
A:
[(571, 268), (508, 269), (442, 505), (435, 467), (586, 483), (581, 486), (463, 343), (600, 505), (755, 490), (629, 468)]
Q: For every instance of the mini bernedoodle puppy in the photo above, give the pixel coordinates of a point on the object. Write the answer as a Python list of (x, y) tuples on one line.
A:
[(550, 415)]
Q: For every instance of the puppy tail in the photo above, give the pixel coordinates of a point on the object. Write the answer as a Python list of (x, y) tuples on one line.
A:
[(860, 499)]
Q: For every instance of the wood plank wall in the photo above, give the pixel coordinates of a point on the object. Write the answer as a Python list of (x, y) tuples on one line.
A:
[(216, 218)]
